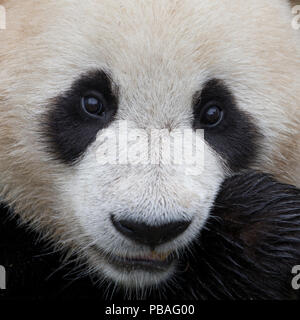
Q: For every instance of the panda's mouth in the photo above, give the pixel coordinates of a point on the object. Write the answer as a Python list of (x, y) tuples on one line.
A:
[(153, 262)]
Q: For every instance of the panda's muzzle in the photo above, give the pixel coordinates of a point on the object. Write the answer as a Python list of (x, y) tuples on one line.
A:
[(151, 236)]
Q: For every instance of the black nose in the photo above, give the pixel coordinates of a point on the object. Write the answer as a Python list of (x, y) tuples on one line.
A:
[(152, 236)]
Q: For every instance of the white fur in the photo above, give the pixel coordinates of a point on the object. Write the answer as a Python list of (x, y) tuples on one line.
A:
[(159, 53)]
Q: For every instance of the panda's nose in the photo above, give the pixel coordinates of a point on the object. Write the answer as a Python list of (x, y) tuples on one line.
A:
[(152, 236)]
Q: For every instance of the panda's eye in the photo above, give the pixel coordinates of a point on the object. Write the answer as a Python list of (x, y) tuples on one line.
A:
[(211, 115), (93, 103)]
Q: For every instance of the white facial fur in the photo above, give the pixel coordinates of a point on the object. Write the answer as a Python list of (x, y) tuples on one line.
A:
[(159, 53)]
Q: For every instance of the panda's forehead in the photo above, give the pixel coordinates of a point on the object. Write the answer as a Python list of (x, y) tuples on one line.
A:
[(158, 53), (140, 40), (164, 41)]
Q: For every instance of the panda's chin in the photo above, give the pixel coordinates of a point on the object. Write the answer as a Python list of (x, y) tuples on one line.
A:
[(138, 277), (138, 271)]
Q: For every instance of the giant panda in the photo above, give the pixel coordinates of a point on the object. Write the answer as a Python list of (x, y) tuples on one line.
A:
[(73, 72)]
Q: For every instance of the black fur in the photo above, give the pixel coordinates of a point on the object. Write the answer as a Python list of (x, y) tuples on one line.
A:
[(246, 251), (236, 138), (250, 244), (67, 129)]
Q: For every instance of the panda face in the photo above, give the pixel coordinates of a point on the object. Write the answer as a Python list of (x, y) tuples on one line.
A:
[(138, 217), (87, 69)]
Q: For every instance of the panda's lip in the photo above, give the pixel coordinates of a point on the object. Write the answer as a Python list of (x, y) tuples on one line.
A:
[(153, 262)]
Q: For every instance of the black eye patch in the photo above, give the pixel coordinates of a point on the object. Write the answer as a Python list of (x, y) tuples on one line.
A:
[(69, 129), (235, 137)]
